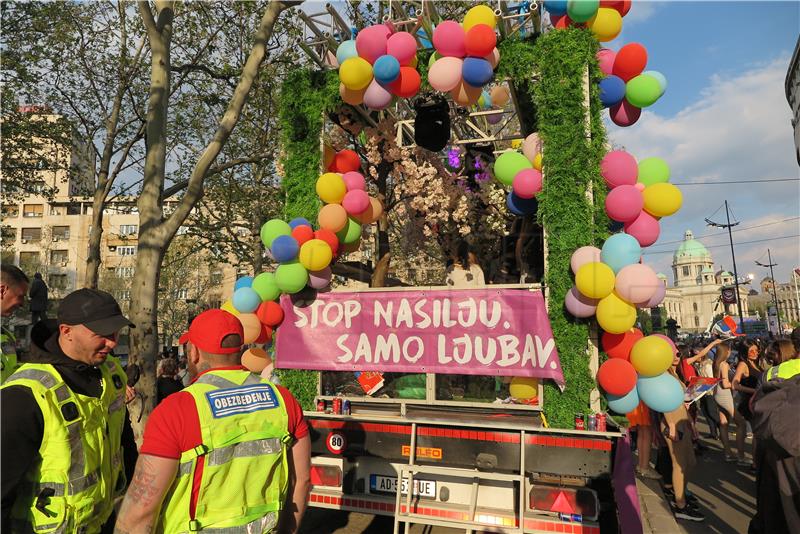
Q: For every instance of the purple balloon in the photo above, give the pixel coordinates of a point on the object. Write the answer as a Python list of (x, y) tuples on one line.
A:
[(494, 118), (578, 305), (320, 279)]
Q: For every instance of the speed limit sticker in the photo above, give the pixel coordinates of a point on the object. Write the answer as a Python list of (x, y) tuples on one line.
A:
[(336, 442)]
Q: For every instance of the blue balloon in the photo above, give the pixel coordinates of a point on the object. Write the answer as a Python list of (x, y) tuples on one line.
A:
[(346, 50), (662, 393), (623, 404), (299, 221), (285, 248), (662, 80), (556, 7), (246, 300), (244, 281), (386, 69), (477, 71), (521, 206), (612, 90), (487, 99), (620, 250)]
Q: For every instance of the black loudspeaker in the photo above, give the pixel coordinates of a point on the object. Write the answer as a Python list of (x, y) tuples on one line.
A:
[(432, 124)]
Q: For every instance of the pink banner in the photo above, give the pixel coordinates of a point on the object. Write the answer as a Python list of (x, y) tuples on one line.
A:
[(467, 331)]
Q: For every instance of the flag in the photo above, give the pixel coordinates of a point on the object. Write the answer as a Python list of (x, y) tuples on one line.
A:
[(726, 328)]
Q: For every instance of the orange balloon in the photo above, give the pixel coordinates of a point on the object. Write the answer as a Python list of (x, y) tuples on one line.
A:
[(372, 213), (252, 326), (350, 96), (332, 217), (465, 95), (255, 359), (328, 153)]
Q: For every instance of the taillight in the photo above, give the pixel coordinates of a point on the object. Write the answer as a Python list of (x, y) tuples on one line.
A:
[(326, 475), (564, 500)]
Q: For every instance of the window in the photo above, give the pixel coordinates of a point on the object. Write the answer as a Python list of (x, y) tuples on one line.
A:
[(128, 229), (694, 306), (58, 210), (31, 235), (59, 256), (32, 210), (698, 269), (38, 186), (123, 294), (216, 278), (696, 321), (60, 233), (686, 271), (9, 234), (181, 294), (124, 272), (29, 258), (10, 211), (126, 251), (73, 209), (58, 281)]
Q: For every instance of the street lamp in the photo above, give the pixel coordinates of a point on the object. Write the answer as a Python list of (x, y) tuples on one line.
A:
[(728, 226), (774, 283)]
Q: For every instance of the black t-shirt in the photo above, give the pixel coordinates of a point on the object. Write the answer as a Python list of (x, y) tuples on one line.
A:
[(22, 424), (166, 386)]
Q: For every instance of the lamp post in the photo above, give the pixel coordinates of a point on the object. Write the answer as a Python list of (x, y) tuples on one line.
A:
[(774, 290), (733, 258)]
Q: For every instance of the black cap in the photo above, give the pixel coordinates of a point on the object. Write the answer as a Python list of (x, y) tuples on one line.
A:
[(96, 310)]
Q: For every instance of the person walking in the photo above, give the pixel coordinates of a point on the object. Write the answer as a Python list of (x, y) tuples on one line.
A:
[(13, 288), (167, 383), (723, 396), (38, 299), (64, 429), (230, 453), (745, 381)]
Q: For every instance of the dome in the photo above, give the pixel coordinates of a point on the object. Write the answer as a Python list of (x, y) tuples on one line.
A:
[(707, 270), (691, 248), (661, 276)]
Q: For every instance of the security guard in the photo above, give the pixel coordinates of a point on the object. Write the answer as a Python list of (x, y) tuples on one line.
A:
[(230, 453), (64, 424), (13, 288)]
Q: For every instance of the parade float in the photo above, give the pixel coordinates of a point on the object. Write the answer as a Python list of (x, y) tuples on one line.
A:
[(488, 403)]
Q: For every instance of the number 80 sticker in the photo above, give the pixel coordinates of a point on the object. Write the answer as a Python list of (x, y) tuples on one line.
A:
[(336, 443)]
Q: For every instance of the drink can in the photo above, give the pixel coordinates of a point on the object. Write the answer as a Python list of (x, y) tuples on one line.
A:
[(579, 422), (320, 405), (592, 422), (345, 407), (337, 405), (601, 422), (577, 518)]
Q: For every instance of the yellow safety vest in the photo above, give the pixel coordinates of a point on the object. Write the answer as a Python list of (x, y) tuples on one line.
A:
[(8, 354), (80, 471), (244, 428), (785, 370)]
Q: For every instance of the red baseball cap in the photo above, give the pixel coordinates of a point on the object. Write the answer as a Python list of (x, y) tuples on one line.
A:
[(209, 329)]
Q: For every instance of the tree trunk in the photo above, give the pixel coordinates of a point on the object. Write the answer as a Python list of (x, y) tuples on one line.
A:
[(95, 236), (383, 256)]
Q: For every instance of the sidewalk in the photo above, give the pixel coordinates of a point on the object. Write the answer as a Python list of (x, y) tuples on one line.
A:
[(657, 517)]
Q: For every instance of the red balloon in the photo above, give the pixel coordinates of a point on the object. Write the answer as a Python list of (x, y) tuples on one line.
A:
[(265, 336), (407, 84), (562, 22), (270, 313), (622, 6), (617, 376), (346, 161), (619, 345), (624, 113), (303, 233), (329, 237), (480, 41), (630, 61)]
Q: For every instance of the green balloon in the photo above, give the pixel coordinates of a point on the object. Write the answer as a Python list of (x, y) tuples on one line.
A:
[(582, 10), (508, 165), (272, 229), (433, 58), (643, 91), (265, 285), (291, 277), (653, 171), (350, 233)]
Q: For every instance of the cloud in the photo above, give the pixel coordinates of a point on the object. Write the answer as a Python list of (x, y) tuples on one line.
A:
[(739, 128)]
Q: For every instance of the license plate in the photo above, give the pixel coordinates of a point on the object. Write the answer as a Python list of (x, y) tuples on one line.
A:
[(384, 484)]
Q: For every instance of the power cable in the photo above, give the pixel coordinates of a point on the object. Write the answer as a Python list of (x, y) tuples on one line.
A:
[(725, 245), (737, 230), (724, 182)]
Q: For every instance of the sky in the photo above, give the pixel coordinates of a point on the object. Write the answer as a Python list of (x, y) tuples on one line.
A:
[(724, 117)]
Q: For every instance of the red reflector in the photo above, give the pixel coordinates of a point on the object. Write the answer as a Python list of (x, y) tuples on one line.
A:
[(326, 475), (564, 500)]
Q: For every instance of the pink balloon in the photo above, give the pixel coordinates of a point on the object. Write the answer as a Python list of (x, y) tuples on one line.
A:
[(402, 46), (494, 118), (320, 279), (657, 298), (645, 228), (624, 203), (445, 73), (448, 38), (625, 114), (376, 96), (619, 168), (354, 181), (578, 305), (493, 58), (527, 183), (371, 42), (355, 202), (668, 340), (583, 256), (636, 283), (605, 57)]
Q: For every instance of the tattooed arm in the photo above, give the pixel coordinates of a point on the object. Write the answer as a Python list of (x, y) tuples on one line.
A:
[(153, 477)]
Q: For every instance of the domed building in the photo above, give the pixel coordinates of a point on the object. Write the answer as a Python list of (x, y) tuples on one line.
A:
[(695, 295)]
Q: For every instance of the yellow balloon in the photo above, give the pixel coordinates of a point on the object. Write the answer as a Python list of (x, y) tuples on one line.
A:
[(614, 315), (479, 15), (516, 143), (595, 280), (606, 24), (252, 326), (355, 73), (228, 307), (331, 188), (523, 388), (651, 356), (662, 199), (315, 254), (537, 161)]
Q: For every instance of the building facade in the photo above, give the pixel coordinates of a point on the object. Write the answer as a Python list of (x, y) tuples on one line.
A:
[(792, 85), (788, 298)]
